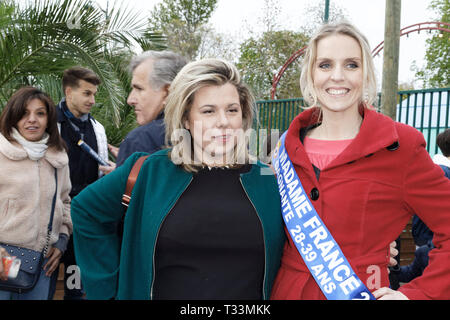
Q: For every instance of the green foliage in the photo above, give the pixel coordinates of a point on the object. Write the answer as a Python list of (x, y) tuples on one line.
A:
[(40, 40), (261, 57), (436, 72), (183, 23)]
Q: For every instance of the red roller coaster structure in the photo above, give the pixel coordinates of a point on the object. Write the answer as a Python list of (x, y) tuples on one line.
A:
[(422, 26)]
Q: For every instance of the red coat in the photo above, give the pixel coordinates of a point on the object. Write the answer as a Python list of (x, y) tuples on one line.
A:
[(365, 197)]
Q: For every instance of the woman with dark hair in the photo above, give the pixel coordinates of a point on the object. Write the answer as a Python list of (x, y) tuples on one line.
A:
[(16, 108), (32, 154)]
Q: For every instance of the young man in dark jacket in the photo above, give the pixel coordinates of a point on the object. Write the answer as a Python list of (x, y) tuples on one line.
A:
[(75, 122)]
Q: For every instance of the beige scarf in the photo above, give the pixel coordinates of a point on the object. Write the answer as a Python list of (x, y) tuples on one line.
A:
[(35, 149)]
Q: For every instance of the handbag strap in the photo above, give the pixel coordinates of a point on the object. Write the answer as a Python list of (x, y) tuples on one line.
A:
[(52, 213), (132, 177)]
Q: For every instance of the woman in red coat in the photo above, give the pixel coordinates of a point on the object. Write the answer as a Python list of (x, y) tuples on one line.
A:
[(364, 173)]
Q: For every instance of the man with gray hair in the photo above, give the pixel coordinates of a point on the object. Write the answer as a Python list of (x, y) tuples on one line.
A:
[(152, 74)]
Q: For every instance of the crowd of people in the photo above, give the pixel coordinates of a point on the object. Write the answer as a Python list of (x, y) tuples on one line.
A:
[(205, 220)]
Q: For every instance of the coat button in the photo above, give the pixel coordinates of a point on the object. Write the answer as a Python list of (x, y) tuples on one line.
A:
[(393, 146), (314, 194)]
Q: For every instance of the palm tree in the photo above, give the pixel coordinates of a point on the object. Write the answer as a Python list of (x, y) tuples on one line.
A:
[(40, 40)]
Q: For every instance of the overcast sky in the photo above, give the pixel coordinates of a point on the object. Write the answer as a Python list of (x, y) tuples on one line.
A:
[(236, 17)]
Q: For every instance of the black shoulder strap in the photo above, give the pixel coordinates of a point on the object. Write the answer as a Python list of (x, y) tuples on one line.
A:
[(52, 213)]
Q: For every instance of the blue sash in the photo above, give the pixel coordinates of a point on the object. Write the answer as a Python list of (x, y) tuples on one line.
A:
[(314, 242)]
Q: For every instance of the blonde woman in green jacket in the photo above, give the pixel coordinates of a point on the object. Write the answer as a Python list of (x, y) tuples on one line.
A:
[(204, 221)]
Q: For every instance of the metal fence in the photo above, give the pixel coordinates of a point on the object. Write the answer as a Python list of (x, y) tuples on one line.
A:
[(426, 110)]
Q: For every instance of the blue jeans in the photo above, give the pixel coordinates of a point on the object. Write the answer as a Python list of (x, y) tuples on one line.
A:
[(43, 290)]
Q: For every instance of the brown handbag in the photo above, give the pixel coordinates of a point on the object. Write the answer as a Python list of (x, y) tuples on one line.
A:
[(132, 177)]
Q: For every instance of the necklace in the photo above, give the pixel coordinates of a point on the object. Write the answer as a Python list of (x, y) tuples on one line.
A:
[(222, 167)]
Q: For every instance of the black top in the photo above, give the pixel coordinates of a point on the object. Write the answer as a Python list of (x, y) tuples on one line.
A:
[(83, 168), (147, 138), (211, 244)]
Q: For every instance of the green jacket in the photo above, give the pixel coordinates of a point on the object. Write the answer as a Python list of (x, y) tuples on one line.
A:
[(97, 210)]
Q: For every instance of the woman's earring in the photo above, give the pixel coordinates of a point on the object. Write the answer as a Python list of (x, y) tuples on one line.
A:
[(311, 98), (366, 97)]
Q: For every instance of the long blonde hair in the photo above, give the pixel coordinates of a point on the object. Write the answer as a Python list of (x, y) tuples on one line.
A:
[(190, 79)]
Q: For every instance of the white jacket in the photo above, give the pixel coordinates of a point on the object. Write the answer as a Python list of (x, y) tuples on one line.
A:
[(102, 142), (441, 160)]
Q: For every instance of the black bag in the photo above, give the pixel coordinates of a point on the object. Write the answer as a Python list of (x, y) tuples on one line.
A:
[(31, 261)]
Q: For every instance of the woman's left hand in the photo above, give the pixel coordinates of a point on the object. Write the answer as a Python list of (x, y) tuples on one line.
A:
[(54, 255), (393, 252), (388, 294)]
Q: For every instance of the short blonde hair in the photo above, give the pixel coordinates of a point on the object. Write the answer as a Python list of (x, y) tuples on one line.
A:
[(190, 79), (369, 88)]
